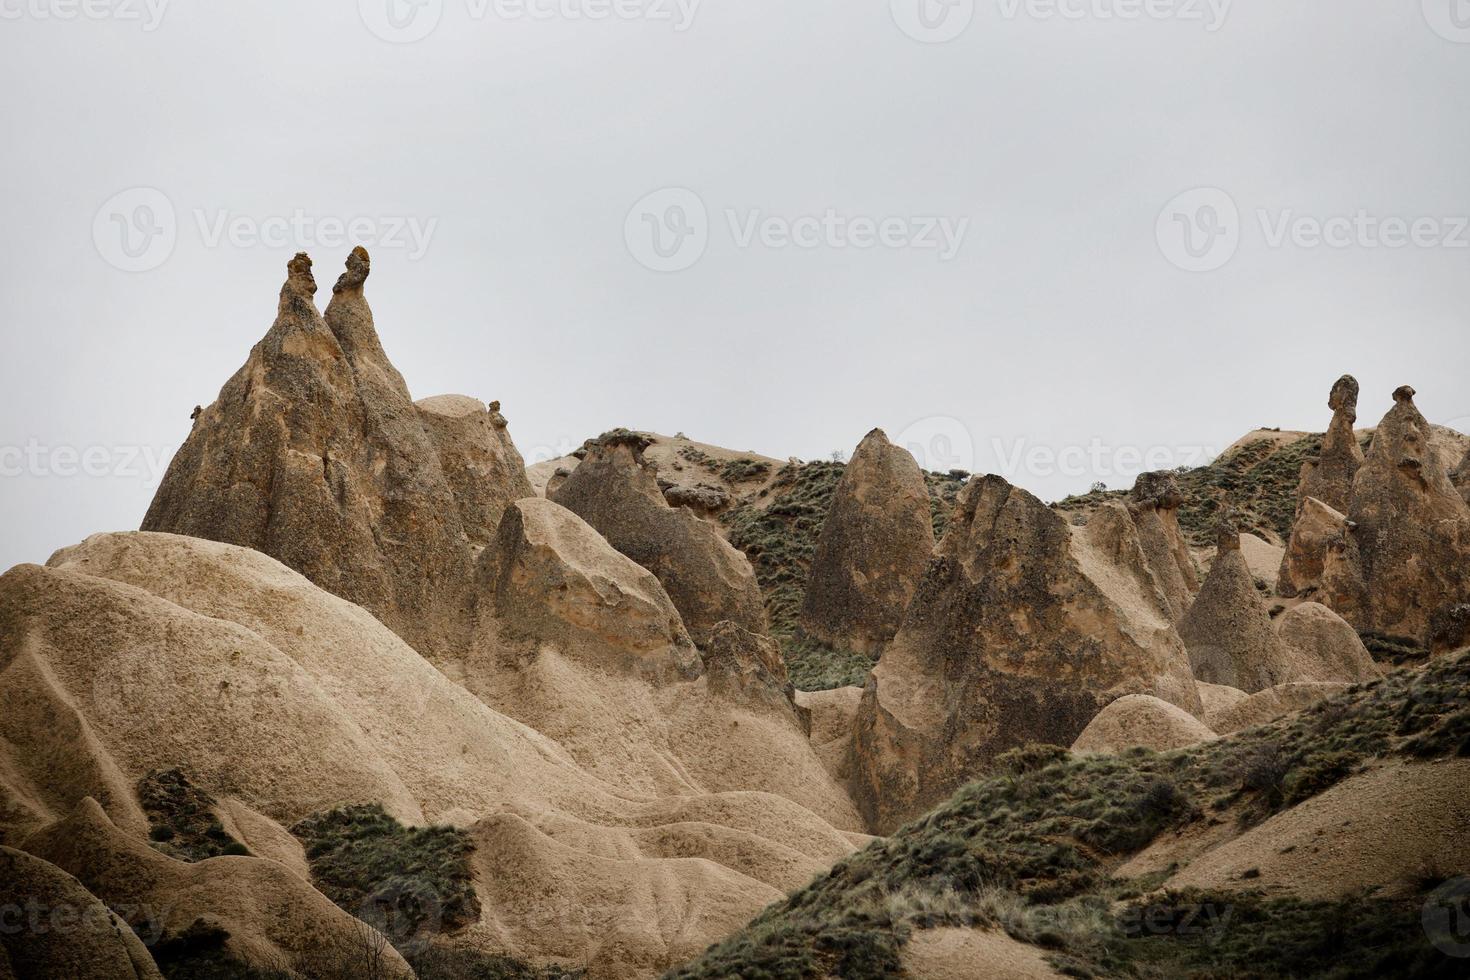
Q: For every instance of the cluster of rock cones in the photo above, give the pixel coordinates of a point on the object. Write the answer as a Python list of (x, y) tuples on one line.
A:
[(341, 596)]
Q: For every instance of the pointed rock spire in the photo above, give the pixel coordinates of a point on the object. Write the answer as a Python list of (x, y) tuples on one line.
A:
[(1329, 477), (874, 546)]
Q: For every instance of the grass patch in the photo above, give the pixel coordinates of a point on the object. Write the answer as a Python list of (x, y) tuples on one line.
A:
[(1030, 850), (181, 818), (778, 532), (408, 880), (1258, 479)]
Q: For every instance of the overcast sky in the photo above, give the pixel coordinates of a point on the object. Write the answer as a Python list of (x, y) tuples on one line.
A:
[(1122, 231)]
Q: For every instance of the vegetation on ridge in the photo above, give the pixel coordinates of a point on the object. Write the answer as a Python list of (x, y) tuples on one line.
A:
[(778, 533), (1031, 848)]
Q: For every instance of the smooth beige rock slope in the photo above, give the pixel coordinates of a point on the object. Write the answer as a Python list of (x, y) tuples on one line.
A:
[(315, 454), (1141, 720), (873, 549), (616, 491), (1022, 630), (147, 651)]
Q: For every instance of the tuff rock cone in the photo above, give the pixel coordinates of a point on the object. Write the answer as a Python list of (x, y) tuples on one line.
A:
[(315, 454), (874, 546)]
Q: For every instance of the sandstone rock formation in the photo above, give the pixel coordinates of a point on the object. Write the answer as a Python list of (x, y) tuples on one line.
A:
[(1329, 477), (873, 549), (1324, 646), (554, 580), (1461, 477), (315, 454), (481, 463), (1228, 630), (748, 668), (132, 652), (263, 914), (1272, 703), (1412, 530), (1321, 560), (1022, 629), (1154, 505), (1323, 493), (1449, 629), (1141, 720), (616, 491), (56, 929)]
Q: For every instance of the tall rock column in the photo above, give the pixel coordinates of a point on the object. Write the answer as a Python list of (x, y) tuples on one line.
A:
[(874, 547), (1412, 529)]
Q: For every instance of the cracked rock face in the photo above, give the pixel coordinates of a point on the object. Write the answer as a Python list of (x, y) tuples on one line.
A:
[(1022, 629), (874, 547), (315, 454), (615, 490)]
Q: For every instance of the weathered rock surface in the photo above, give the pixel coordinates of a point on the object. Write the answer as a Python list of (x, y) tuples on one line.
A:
[(270, 916), (1329, 477), (1228, 630), (132, 652), (1154, 505), (1141, 720), (481, 463), (748, 668), (1324, 646), (873, 549), (554, 580), (1321, 560), (1022, 630), (1412, 530), (1449, 629), (1461, 477), (315, 454), (74, 936), (1272, 703), (616, 491)]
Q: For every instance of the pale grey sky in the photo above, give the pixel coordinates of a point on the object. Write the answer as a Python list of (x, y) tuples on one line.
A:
[(992, 227)]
